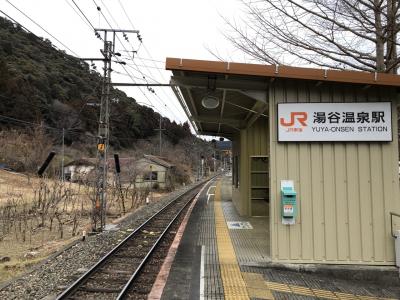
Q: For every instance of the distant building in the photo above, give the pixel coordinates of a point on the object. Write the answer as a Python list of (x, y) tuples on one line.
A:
[(79, 170), (147, 171), (153, 171)]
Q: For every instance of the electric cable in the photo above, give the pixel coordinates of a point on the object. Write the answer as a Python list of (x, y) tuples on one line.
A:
[(79, 15), (41, 27), (130, 21), (83, 14), (144, 75)]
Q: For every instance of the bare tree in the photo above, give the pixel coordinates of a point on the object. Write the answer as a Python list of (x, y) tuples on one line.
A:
[(338, 34)]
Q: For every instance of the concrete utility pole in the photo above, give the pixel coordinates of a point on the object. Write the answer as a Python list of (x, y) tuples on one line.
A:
[(99, 210), (160, 130)]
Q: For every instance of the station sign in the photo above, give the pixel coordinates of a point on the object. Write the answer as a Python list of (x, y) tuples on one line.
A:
[(335, 122)]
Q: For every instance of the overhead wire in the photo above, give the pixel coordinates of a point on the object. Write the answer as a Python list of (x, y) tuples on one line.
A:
[(79, 15), (145, 76), (83, 14), (41, 27), (144, 46), (70, 130), (118, 60), (88, 23)]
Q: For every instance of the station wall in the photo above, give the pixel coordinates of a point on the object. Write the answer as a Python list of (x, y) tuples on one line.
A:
[(345, 190), (249, 142)]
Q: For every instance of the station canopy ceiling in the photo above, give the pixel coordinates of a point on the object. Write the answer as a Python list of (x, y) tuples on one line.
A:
[(237, 94), (241, 100)]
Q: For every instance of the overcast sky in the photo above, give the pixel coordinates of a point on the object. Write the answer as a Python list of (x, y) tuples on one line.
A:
[(173, 28)]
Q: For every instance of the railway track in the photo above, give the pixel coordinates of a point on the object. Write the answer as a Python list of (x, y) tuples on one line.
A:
[(129, 269)]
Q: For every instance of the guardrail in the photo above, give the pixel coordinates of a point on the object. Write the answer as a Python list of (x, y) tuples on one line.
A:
[(392, 214)]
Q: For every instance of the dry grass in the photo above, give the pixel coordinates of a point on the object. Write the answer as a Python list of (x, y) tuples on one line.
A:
[(40, 216)]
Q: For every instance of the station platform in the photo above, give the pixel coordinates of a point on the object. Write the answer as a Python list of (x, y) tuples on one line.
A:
[(224, 256)]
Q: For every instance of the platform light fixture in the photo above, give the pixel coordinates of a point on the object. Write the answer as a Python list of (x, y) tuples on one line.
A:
[(209, 101)]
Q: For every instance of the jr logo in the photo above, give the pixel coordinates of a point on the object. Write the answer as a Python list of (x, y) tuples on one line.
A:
[(301, 117)]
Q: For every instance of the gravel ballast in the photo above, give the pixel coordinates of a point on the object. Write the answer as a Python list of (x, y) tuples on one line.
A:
[(55, 274)]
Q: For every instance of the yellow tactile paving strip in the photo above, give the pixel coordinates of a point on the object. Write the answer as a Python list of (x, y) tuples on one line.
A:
[(257, 287), (245, 285), (232, 280)]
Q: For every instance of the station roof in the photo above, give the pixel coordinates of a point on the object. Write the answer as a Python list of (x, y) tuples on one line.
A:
[(242, 89)]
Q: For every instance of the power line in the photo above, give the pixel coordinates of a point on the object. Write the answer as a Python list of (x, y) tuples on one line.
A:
[(138, 70), (41, 27), (83, 14), (130, 21), (78, 14), (118, 60)]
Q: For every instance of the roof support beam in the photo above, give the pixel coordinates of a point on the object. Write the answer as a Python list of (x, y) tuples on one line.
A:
[(182, 103), (222, 109), (257, 110), (256, 116), (227, 84), (193, 105), (213, 120)]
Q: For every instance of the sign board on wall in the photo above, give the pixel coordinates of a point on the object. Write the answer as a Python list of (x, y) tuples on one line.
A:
[(335, 122)]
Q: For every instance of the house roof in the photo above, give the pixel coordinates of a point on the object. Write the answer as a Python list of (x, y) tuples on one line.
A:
[(82, 162), (159, 160), (92, 162), (242, 90)]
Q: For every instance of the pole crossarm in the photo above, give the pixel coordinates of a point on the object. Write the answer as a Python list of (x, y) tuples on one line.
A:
[(116, 30), (93, 59), (141, 84)]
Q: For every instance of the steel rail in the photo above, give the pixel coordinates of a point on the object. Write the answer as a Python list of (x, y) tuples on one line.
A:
[(125, 289), (81, 280)]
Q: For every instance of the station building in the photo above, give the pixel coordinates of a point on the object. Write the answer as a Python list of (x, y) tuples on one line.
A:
[(326, 139)]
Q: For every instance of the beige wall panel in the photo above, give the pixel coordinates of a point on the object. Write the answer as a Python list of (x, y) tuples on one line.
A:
[(305, 207), (390, 191), (378, 210), (293, 172), (295, 238), (329, 201), (353, 191), (280, 170), (317, 188), (274, 217), (328, 167), (345, 190), (353, 202), (341, 200), (365, 201), (305, 192)]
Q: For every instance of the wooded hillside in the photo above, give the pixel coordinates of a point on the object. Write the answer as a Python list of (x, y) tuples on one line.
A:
[(42, 85)]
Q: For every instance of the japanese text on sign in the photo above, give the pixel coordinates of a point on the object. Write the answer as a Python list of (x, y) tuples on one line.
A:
[(369, 121)]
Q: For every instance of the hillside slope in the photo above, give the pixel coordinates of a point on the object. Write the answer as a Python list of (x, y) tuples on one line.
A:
[(42, 85)]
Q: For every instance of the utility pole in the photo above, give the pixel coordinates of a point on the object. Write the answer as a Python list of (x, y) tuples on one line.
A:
[(214, 158), (160, 130), (108, 51), (202, 167), (62, 159)]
